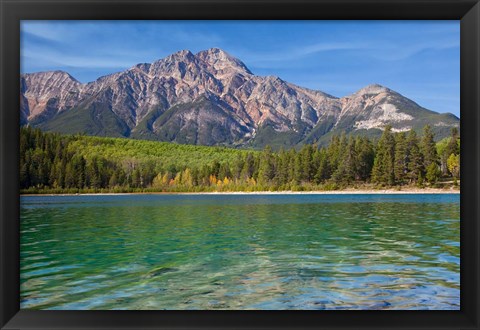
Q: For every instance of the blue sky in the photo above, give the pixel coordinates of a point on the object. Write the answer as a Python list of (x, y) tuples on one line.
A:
[(419, 59)]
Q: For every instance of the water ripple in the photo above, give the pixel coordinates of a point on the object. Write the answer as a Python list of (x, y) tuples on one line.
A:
[(240, 252)]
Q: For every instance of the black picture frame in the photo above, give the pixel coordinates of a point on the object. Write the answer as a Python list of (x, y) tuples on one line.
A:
[(13, 11)]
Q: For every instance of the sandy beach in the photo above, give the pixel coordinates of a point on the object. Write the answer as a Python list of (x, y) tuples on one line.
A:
[(286, 192), (338, 192)]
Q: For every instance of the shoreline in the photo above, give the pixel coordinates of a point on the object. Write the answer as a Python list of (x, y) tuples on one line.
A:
[(411, 191)]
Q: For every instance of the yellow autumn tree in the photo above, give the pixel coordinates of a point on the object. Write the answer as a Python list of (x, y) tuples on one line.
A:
[(453, 164), (158, 181), (212, 179), (186, 178)]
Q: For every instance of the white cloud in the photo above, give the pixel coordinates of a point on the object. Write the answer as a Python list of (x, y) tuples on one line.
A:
[(43, 29), (57, 58), (106, 44), (395, 52), (298, 52)]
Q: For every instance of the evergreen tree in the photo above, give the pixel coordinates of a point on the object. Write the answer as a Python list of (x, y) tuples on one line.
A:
[(248, 167), (401, 158), (347, 167), (383, 167), (283, 162), (237, 167), (453, 145), (433, 173), (93, 177), (365, 158), (113, 181), (452, 148), (306, 162), (298, 169), (224, 171), (414, 158), (69, 176), (78, 168), (323, 170), (292, 156), (266, 170), (428, 147), (333, 153)]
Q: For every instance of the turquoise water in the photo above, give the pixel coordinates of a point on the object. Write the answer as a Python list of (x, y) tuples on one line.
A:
[(240, 252)]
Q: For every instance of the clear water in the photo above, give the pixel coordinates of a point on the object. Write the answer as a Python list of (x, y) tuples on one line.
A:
[(240, 252)]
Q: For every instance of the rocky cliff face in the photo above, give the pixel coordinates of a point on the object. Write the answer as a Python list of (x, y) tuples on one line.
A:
[(212, 98)]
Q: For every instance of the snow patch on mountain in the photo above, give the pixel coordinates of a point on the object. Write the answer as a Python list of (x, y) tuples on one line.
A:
[(383, 114), (443, 124)]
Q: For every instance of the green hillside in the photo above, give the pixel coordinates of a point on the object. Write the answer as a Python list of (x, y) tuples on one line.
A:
[(164, 154), (55, 163), (96, 119)]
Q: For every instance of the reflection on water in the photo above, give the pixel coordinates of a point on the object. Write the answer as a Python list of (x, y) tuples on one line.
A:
[(240, 252)]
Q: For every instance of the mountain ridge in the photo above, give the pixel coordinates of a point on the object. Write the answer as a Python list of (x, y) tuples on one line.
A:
[(212, 98)]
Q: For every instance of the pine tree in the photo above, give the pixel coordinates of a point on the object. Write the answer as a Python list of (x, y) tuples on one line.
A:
[(224, 171), (93, 175), (266, 169), (452, 148), (428, 147), (237, 167), (414, 158), (298, 169), (113, 182), (401, 165), (433, 173), (306, 161), (248, 167), (69, 176), (323, 170), (281, 175), (78, 167), (347, 167), (430, 156), (292, 156), (383, 167), (333, 153), (365, 158)]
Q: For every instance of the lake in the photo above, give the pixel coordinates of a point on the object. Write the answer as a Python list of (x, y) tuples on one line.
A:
[(302, 251)]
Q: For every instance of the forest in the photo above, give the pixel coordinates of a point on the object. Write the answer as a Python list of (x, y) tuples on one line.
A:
[(55, 163)]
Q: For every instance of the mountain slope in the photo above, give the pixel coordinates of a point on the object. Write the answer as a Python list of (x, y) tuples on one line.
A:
[(212, 98), (370, 109)]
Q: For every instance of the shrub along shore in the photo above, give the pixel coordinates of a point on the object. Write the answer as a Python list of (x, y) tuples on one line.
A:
[(51, 163)]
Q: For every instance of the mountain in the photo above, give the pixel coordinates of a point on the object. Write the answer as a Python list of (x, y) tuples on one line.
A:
[(212, 98)]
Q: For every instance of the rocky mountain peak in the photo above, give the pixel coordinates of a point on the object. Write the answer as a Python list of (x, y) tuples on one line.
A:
[(372, 89), (212, 98), (220, 60), (215, 52), (143, 66), (182, 55), (176, 65), (50, 82), (274, 80), (65, 75), (56, 75)]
